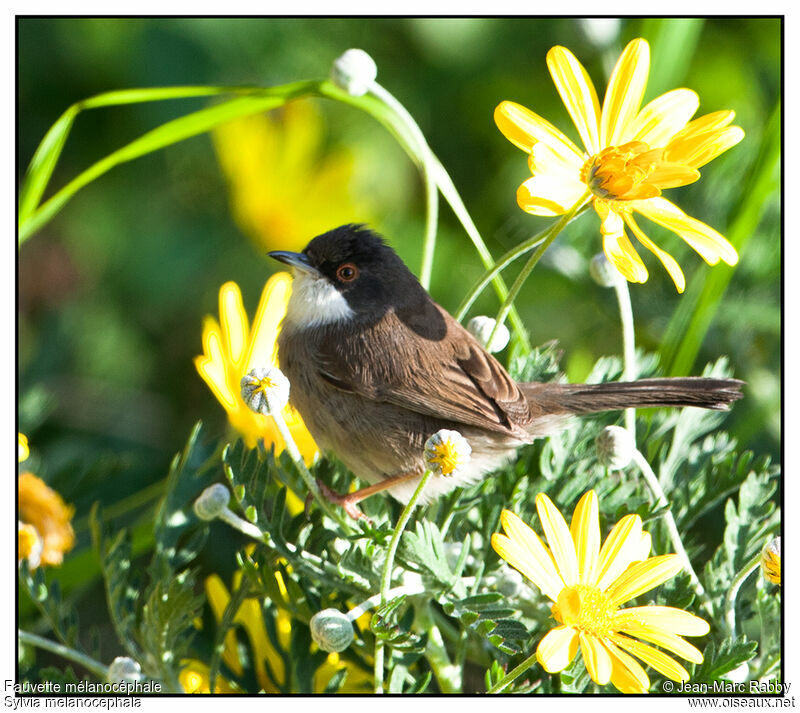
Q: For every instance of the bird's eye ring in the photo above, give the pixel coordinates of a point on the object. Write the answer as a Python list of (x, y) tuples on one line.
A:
[(347, 272)]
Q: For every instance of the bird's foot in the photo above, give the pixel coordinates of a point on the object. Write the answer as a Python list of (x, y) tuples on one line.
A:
[(346, 502)]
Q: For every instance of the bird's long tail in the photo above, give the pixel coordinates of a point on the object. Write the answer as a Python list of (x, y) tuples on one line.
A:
[(702, 392)]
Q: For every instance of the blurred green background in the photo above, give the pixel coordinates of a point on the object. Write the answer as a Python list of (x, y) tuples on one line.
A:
[(112, 292)]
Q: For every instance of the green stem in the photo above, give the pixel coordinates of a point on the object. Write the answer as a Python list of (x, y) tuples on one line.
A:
[(513, 674), (90, 664), (386, 578), (549, 236), (426, 161), (733, 591), (672, 528), (305, 474), (515, 252), (628, 346)]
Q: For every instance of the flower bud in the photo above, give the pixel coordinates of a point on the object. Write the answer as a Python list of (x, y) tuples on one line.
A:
[(354, 71), (447, 452), (481, 328), (124, 669), (615, 447), (603, 272), (771, 560), (212, 501), (600, 31), (265, 390), (332, 630)]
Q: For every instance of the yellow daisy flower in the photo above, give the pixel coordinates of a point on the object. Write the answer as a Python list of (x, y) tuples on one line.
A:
[(630, 155), (194, 678), (22, 447), (251, 618), (588, 582), (233, 349), (771, 561), (277, 166), (43, 509)]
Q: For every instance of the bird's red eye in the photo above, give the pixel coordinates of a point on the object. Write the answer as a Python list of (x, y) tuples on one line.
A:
[(347, 272)]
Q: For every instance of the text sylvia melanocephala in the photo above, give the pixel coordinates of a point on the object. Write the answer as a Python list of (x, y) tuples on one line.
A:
[(376, 367)]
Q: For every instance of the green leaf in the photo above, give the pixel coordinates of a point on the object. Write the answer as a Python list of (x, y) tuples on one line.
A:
[(171, 132), (717, 661)]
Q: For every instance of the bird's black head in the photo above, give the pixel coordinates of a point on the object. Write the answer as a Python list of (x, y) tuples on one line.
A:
[(358, 265)]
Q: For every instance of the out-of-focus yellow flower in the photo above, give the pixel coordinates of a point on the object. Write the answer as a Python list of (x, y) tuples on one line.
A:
[(194, 678), (251, 618), (22, 447), (631, 154), (29, 545), (771, 561), (587, 584), (42, 508), (285, 187), (233, 349)]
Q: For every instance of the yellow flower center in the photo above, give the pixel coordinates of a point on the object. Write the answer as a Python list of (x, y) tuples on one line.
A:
[(446, 456), (585, 608), (264, 384), (622, 172)]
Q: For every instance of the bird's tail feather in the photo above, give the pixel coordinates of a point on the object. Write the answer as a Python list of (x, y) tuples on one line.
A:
[(702, 392)]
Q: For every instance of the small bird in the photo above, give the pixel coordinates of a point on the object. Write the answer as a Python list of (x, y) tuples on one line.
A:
[(376, 367)]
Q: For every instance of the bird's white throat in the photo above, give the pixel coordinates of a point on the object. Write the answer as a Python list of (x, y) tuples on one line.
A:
[(315, 302)]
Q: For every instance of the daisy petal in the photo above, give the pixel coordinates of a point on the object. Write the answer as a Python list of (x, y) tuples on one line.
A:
[(528, 554), (266, 325), (557, 649), (578, 94), (698, 150), (663, 117), (706, 241), (666, 640), (707, 122), (625, 91), (549, 194), (669, 262), (559, 538), (641, 577), (596, 658), (233, 320), (621, 547), (523, 128), (212, 365), (619, 251), (669, 618), (627, 674), (662, 663), (585, 531)]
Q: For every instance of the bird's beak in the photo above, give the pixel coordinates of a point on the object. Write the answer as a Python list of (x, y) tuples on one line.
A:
[(297, 260)]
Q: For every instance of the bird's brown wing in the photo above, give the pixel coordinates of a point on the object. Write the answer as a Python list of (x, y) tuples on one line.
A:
[(452, 378)]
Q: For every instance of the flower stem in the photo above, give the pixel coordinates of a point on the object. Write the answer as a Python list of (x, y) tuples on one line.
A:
[(628, 346), (549, 236), (515, 252), (431, 192), (375, 599), (733, 591), (305, 474), (513, 674), (90, 664), (386, 578), (672, 528)]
